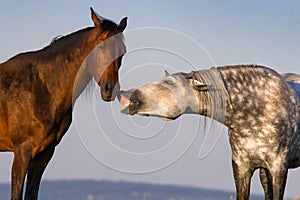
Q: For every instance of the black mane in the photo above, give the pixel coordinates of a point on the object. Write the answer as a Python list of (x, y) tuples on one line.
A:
[(65, 44)]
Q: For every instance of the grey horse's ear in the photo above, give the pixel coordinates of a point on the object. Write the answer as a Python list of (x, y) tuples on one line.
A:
[(197, 85), (167, 73)]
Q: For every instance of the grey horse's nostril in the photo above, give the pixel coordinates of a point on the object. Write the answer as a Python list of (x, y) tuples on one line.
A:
[(119, 94)]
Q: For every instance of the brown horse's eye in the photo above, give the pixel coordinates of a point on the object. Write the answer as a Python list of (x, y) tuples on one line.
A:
[(123, 52), (101, 46)]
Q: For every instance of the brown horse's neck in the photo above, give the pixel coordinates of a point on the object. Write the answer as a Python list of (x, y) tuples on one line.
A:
[(61, 64)]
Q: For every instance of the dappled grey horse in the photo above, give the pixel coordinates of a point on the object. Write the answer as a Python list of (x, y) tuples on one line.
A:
[(260, 108)]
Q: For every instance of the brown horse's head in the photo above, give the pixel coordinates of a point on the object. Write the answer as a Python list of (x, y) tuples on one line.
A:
[(105, 60)]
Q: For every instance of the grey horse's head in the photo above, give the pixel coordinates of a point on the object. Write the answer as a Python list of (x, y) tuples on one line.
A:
[(167, 98)]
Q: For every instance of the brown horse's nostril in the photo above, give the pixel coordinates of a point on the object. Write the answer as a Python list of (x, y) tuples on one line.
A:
[(107, 87), (109, 90)]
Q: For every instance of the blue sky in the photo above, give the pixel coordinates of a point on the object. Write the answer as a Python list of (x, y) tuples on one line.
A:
[(232, 32)]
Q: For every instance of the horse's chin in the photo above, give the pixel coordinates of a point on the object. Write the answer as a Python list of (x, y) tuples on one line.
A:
[(128, 111), (108, 97), (165, 118)]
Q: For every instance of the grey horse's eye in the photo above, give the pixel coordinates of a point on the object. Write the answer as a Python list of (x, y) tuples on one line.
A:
[(169, 82)]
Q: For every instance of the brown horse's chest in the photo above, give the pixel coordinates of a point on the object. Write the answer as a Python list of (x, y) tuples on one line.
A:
[(53, 136), (64, 126)]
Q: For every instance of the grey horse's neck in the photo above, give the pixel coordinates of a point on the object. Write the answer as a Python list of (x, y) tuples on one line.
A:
[(215, 99)]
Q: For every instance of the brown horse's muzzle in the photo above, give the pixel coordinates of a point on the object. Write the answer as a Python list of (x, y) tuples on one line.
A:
[(109, 91)]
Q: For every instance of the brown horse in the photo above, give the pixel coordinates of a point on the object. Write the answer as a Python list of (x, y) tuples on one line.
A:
[(36, 95)]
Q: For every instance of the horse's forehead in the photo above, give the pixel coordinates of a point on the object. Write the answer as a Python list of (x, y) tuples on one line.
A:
[(113, 43), (114, 39), (170, 82)]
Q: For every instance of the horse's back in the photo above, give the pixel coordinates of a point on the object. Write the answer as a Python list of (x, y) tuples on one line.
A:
[(291, 77), (294, 81), (13, 78)]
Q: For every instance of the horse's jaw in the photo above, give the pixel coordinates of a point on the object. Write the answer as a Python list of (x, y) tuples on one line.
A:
[(131, 107)]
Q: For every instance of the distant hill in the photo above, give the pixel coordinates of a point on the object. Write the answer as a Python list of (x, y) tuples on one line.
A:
[(108, 190)]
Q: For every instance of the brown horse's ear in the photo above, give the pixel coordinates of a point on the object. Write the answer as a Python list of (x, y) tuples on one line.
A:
[(95, 18), (122, 25)]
